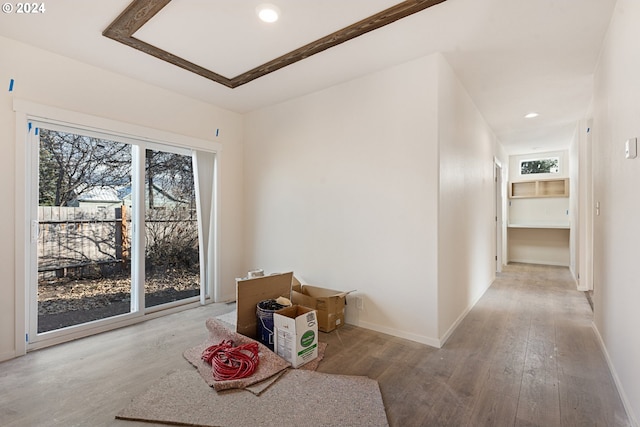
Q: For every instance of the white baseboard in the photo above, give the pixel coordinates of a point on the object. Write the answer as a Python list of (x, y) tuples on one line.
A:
[(422, 339), (579, 286), (430, 341), (455, 324), (227, 298), (616, 379), (460, 318), (8, 355)]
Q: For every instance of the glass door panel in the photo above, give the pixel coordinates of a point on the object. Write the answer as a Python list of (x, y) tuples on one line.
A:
[(84, 232), (172, 266)]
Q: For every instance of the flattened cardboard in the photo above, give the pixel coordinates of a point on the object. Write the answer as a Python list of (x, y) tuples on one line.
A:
[(329, 304), (249, 292)]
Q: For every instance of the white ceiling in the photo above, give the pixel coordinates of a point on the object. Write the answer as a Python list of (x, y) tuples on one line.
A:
[(513, 56)]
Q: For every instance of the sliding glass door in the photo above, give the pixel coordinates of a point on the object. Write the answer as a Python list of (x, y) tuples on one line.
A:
[(114, 228)]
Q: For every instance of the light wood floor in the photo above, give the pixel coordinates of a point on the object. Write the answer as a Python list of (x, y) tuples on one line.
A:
[(524, 356)]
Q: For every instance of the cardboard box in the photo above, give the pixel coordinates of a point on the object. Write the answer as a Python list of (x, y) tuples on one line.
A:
[(296, 334), (329, 304), (249, 292)]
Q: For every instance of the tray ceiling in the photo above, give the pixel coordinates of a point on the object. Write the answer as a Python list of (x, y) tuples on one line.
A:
[(142, 26)]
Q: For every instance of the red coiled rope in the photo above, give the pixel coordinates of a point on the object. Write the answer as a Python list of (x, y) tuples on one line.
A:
[(232, 363)]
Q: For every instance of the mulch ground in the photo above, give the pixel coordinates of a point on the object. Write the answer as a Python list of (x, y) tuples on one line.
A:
[(66, 302)]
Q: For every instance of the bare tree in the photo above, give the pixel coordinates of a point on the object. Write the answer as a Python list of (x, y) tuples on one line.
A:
[(170, 174), (71, 165)]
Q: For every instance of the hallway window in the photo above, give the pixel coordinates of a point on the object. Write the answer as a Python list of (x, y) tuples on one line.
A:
[(535, 166)]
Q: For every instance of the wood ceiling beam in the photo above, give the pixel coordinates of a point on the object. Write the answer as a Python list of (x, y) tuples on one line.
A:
[(139, 12)]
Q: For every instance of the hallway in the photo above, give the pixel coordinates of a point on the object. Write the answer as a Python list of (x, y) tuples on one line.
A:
[(544, 352), (526, 355)]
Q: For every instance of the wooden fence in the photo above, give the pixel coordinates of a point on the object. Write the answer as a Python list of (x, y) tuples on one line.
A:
[(74, 238), (94, 241)]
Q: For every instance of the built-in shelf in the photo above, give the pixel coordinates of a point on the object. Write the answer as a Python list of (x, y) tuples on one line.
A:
[(539, 188), (540, 224)]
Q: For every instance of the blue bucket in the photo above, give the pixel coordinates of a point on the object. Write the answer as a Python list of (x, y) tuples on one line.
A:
[(264, 312)]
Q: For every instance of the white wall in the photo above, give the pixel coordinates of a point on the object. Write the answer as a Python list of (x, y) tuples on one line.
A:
[(344, 187), (341, 188), (466, 230), (616, 179), (56, 81)]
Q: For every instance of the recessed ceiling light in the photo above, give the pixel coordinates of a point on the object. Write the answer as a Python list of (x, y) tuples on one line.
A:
[(268, 12), (531, 115)]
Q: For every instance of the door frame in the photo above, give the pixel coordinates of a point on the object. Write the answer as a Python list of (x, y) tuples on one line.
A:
[(498, 194)]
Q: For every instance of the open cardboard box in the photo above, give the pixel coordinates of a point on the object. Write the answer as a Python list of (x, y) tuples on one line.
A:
[(329, 304), (296, 334), (249, 292)]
